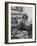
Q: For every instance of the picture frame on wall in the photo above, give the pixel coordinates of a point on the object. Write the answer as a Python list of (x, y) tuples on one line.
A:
[(20, 22)]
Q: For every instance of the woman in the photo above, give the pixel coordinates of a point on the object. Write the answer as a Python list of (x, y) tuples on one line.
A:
[(23, 27)]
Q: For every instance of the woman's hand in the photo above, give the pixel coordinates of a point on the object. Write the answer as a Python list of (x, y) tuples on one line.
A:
[(23, 21)]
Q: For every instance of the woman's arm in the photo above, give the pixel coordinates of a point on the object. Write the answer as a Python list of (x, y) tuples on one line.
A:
[(19, 25)]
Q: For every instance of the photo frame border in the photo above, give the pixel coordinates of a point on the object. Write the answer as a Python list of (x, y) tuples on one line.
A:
[(6, 21)]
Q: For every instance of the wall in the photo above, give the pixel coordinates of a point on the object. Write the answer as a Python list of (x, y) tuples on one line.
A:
[(28, 11)]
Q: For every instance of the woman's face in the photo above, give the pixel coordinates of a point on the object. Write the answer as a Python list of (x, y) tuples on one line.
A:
[(24, 17)]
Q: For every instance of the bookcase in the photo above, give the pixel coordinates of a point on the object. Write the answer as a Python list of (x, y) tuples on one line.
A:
[(16, 13)]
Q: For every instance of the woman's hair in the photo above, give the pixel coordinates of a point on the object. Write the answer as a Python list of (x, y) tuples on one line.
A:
[(25, 16)]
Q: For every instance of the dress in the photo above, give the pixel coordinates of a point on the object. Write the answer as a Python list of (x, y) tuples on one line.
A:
[(21, 26)]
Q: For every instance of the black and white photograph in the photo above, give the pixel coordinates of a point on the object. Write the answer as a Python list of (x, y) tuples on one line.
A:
[(20, 20)]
